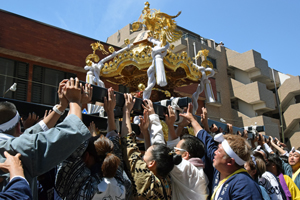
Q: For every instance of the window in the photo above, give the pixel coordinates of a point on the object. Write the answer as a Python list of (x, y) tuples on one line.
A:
[(234, 104), (11, 72), (219, 97), (297, 99), (213, 61), (45, 84)]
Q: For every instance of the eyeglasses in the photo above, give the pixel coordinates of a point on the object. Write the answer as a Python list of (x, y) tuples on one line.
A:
[(178, 149)]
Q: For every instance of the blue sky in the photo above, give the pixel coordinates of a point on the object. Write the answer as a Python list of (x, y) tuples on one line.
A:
[(271, 27)]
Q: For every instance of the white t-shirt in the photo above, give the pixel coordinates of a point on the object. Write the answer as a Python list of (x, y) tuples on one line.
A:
[(188, 182)]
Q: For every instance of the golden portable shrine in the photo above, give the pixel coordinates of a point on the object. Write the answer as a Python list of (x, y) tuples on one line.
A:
[(148, 65)]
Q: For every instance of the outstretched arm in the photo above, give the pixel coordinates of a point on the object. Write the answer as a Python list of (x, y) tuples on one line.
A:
[(189, 116), (208, 141), (51, 119), (144, 124), (204, 119), (170, 120), (109, 106), (156, 132), (126, 124)]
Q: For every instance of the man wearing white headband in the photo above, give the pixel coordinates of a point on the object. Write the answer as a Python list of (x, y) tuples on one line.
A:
[(231, 180), (294, 161), (43, 148)]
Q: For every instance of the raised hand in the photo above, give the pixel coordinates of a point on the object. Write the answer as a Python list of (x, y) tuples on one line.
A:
[(110, 102), (230, 129), (13, 165), (144, 122), (93, 129), (30, 121), (72, 91), (47, 112), (87, 93), (203, 115), (188, 115), (214, 128), (148, 106), (129, 102), (245, 135), (170, 119), (63, 101)]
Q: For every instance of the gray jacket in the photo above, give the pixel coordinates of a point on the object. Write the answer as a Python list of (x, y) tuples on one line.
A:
[(41, 151)]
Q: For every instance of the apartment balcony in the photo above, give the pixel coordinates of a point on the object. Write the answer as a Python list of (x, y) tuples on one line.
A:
[(255, 94), (289, 89), (252, 63), (180, 45), (291, 117)]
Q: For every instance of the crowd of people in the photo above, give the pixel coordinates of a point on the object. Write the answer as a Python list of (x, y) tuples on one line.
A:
[(71, 161)]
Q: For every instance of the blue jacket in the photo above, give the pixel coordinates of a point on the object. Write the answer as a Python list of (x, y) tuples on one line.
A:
[(17, 189), (238, 186)]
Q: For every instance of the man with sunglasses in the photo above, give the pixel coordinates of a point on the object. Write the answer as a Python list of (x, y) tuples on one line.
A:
[(189, 179)]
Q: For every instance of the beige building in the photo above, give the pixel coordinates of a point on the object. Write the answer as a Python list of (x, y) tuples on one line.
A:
[(245, 86)]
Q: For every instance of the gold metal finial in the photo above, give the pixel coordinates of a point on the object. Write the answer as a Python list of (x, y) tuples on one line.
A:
[(147, 5), (127, 41), (111, 49), (172, 46), (141, 87), (203, 52)]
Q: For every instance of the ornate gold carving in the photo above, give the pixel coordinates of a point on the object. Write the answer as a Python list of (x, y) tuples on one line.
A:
[(140, 57), (203, 52), (98, 46), (126, 41), (166, 92), (94, 57), (161, 25), (111, 49), (91, 58), (205, 62), (130, 67)]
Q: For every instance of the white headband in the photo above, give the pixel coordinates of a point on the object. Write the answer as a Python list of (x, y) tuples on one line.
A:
[(219, 138), (294, 150), (10, 124), (232, 154), (258, 148)]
